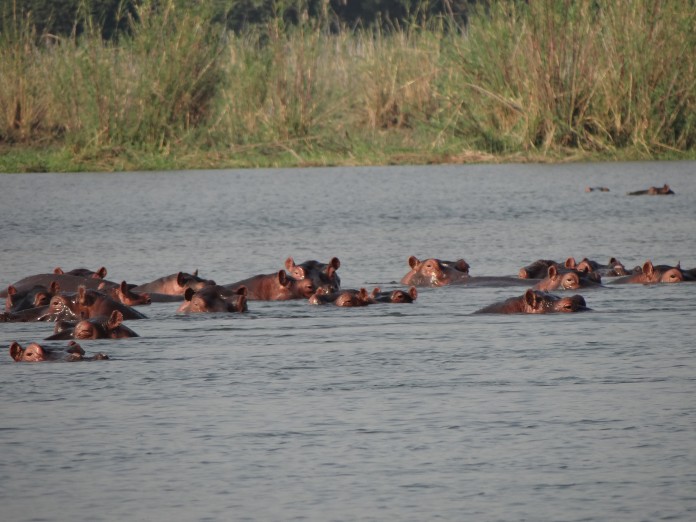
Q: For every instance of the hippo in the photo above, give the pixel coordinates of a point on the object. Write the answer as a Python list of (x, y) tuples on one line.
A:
[(172, 287), (214, 298), (536, 302), (60, 308), (38, 295), (36, 353), (566, 279), (124, 294), (537, 269), (435, 272), (344, 298), (98, 327), (322, 275), (395, 296), (596, 189), (66, 283), (651, 274), (83, 272), (278, 286), (664, 190), (90, 303)]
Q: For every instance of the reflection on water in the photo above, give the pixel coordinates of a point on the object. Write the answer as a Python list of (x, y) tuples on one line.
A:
[(401, 412)]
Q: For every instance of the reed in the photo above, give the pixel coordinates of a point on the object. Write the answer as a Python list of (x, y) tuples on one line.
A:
[(549, 78)]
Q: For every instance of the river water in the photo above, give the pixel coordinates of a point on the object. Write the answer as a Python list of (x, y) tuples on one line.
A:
[(389, 412)]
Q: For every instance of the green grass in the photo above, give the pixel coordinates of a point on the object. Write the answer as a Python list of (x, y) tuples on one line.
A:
[(548, 81)]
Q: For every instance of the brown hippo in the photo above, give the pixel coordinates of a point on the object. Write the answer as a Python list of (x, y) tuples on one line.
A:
[(651, 274), (566, 279), (38, 295), (99, 327), (172, 287), (345, 298), (614, 268), (596, 189), (66, 283), (435, 272), (537, 269), (36, 353), (214, 298), (91, 303), (536, 302), (83, 272), (322, 275), (395, 296), (653, 191), (278, 286), (123, 293)]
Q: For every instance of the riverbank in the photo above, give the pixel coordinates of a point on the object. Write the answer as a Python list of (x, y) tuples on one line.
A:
[(23, 159), (540, 82)]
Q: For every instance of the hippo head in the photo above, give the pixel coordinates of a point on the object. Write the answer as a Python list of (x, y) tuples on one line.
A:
[(323, 275), (662, 274), (353, 298), (32, 353), (434, 272), (536, 302), (185, 280), (123, 294), (98, 327)]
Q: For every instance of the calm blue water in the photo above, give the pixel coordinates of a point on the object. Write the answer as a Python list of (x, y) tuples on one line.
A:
[(390, 412)]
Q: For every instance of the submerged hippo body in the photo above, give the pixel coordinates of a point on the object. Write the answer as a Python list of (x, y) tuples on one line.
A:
[(323, 275), (100, 273), (214, 298), (36, 353), (651, 274), (395, 296), (344, 298), (277, 286), (537, 269), (664, 190), (66, 283), (537, 302), (435, 272), (172, 287), (566, 279), (98, 327)]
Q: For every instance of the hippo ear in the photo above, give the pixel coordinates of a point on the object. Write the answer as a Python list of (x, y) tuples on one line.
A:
[(11, 290), (181, 279), (16, 351), (376, 290), (283, 278), (462, 266), (335, 263), (188, 294), (289, 263), (648, 268), (613, 261), (195, 273), (570, 263), (363, 294), (531, 298), (123, 287), (413, 262), (81, 294), (115, 320), (54, 287), (101, 273), (58, 270), (552, 271), (242, 290), (413, 292)]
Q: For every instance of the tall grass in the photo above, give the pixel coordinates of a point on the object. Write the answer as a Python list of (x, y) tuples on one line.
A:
[(551, 76)]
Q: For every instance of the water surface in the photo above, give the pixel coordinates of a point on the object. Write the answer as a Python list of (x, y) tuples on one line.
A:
[(390, 412)]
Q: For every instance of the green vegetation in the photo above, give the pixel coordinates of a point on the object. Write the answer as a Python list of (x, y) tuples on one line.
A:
[(542, 81)]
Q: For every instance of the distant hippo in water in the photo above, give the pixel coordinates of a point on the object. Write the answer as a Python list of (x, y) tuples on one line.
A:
[(99, 327), (322, 275), (172, 287), (278, 286), (651, 274), (394, 296), (596, 189), (566, 279), (36, 353), (653, 191), (435, 272), (344, 298), (537, 302), (100, 273), (214, 298)]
